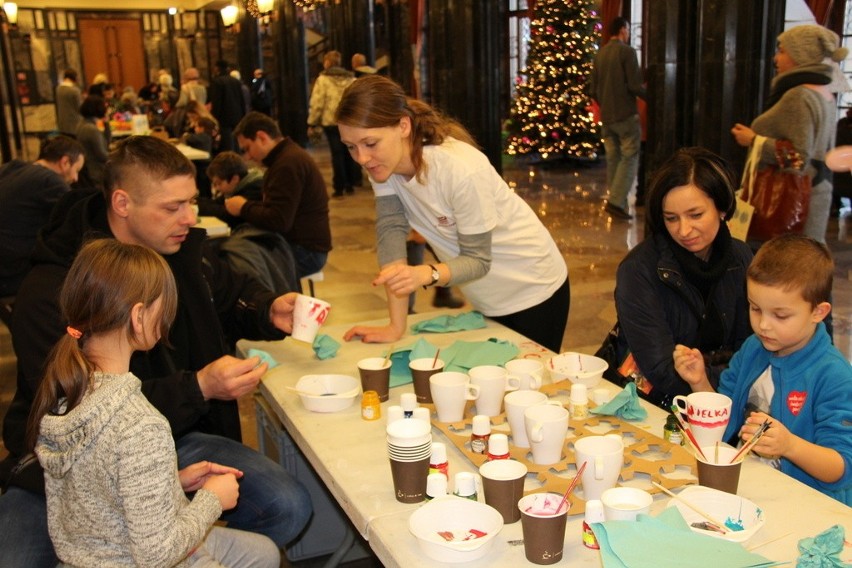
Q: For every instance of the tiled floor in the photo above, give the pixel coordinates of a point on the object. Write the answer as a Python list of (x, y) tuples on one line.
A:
[(568, 198)]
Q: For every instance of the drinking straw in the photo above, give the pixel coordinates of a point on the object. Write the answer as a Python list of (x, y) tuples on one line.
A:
[(571, 487), (692, 506), (751, 443), (435, 360)]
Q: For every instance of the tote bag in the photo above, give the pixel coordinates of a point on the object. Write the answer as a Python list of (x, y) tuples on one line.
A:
[(780, 194)]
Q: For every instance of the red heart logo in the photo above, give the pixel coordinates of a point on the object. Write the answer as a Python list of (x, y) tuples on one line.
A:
[(795, 401)]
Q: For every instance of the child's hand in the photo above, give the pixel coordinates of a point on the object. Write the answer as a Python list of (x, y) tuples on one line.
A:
[(192, 477), (689, 364), (775, 442), (226, 488)]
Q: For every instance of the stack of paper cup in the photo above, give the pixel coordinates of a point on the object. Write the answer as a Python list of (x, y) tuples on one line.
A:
[(409, 449)]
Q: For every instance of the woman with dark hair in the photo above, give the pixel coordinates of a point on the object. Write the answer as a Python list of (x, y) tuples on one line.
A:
[(94, 140), (428, 175), (685, 283)]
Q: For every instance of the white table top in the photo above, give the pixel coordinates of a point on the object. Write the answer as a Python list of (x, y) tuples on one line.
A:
[(349, 455), (214, 226), (192, 153)]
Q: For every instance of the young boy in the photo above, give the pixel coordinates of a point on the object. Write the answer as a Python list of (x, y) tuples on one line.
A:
[(789, 370)]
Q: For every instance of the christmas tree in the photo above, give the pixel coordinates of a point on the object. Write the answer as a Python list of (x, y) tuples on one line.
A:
[(550, 114)]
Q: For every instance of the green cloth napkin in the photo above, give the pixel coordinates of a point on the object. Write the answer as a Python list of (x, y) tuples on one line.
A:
[(325, 347), (264, 357), (665, 541), (460, 356), (444, 324), (624, 405), (823, 550)]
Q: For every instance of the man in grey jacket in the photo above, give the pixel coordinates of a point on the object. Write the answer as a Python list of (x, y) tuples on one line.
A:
[(615, 83)]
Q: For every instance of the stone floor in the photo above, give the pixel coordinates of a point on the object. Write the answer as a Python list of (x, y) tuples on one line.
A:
[(568, 198)]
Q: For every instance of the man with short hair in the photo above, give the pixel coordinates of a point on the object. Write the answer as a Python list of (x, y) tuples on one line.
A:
[(229, 175), (295, 202), (615, 83), (261, 93), (28, 193), (68, 97), (194, 382)]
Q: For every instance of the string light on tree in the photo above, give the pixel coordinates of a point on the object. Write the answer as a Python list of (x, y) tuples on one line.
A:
[(550, 114)]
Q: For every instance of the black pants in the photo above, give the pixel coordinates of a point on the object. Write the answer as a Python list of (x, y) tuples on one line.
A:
[(544, 323)]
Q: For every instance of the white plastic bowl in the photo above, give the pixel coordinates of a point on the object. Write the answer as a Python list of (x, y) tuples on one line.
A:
[(724, 507), (313, 391), (456, 515), (577, 368)]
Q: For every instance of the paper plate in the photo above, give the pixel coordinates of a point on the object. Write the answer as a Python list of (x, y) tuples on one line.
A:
[(727, 508)]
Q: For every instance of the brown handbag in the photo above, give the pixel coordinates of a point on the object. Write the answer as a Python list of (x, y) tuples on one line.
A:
[(780, 195)]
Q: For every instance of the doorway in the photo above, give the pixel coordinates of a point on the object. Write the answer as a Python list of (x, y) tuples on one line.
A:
[(114, 47)]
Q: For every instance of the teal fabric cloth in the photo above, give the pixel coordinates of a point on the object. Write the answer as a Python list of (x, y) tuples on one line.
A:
[(325, 347), (264, 357), (460, 356), (665, 541), (624, 405), (823, 550), (444, 324)]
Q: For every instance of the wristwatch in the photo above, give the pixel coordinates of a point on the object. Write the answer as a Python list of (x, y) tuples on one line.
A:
[(435, 277)]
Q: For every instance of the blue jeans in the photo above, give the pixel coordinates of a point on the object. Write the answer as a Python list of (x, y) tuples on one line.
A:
[(271, 501), (342, 164), (308, 261), (24, 541), (621, 141)]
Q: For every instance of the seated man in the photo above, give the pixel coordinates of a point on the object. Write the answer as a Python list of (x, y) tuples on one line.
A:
[(28, 193), (295, 202), (194, 383), (230, 175)]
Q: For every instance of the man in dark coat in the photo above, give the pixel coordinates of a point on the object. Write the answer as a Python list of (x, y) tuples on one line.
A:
[(194, 382), (225, 96)]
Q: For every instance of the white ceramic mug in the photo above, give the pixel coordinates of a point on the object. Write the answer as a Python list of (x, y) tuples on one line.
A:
[(516, 403), (546, 426), (708, 414), (528, 372), (604, 457), (450, 390), (625, 503), (493, 383)]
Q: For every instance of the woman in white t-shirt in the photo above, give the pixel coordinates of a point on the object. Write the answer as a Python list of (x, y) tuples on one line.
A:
[(428, 175)]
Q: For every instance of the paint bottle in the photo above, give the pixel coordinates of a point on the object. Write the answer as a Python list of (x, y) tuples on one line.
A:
[(436, 486), (480, 434), (671, 432), (438, 461), (594, 514), (498, 447), (371, 408), (465, 484), (579, 404)]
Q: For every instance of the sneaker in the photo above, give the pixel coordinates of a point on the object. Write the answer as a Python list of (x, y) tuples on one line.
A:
[(617, 212), (350, 190), (337, 194)]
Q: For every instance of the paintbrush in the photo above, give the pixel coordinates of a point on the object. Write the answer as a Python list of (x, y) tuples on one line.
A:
[(687, 433), (435, 360), (388, 355), (692, 506), (571, 487), (751, 443)]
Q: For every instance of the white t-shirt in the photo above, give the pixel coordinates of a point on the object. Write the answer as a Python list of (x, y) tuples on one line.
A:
[(464, 194)]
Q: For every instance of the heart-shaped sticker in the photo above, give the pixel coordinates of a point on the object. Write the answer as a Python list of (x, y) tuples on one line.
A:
[(795, 401)]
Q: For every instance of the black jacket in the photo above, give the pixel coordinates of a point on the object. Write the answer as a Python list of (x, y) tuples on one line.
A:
[(658, 308), (216, 306)]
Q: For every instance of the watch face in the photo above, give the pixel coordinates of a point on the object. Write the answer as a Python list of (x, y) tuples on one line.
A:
[(435, 275)]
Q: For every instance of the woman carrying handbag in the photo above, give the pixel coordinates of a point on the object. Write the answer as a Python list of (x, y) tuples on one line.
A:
[(798, 127)]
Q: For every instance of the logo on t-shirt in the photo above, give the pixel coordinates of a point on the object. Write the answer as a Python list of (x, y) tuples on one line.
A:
[(444, 221), (795, 401)]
